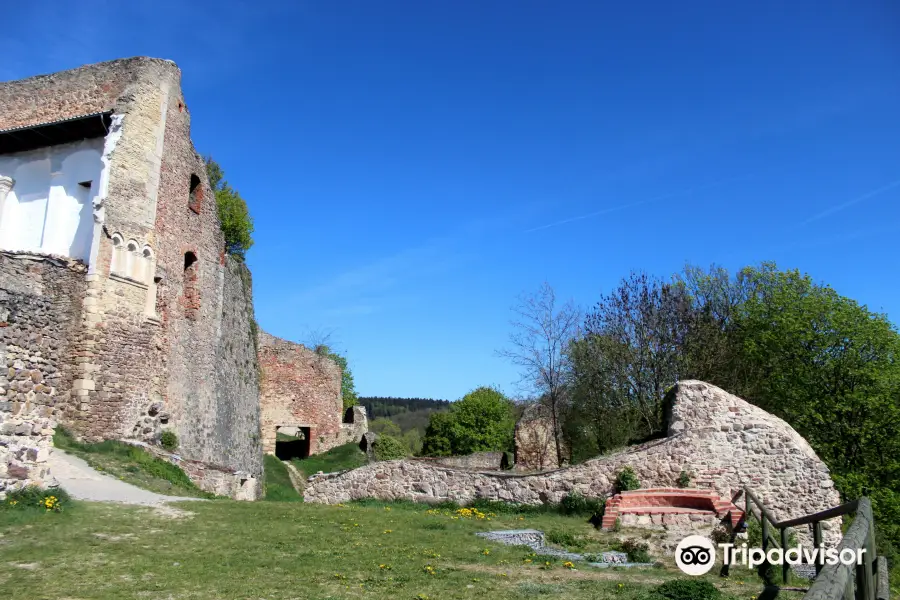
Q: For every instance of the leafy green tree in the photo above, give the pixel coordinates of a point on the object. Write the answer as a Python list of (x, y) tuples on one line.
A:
[(829, 367), (481, 421), (413, 440), (383, 426), (438, 435), (234, 216), (348, 387)]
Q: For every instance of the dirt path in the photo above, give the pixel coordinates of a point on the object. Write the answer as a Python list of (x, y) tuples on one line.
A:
[(84, 483), (296, 478)]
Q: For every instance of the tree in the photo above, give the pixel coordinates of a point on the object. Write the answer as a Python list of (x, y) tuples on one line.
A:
[(438, 434), (383, 426), (541, 333), (632, 349), (348, 388), (234, 216), (826, 365), (481, 421)]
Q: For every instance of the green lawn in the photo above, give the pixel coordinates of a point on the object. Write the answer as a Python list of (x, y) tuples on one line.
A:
[(291, 550), (348, 456)]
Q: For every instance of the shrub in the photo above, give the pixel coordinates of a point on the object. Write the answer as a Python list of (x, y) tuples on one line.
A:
[(626, 480), (390, 448), (575, 504), (36, 498), (688, 589), (168, 440), (637, 551), (684, 480)]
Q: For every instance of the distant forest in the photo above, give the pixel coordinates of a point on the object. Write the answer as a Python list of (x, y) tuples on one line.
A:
[(406, 413)]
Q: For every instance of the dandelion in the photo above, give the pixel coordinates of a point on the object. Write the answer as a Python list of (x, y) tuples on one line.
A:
[(485, 551), (569, 565), (384, 567), (527, 561), (388, 531)]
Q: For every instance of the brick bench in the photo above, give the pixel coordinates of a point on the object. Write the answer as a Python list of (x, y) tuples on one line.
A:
[(669, 501)]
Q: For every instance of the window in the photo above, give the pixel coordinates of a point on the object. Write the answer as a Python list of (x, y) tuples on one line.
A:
[(117, 260), (191, 289), (195, 196)]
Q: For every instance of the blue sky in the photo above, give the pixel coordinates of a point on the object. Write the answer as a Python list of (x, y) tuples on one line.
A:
[(414, 166)]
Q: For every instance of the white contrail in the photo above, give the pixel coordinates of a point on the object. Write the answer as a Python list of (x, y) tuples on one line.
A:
[(633, 204), (849, 203)]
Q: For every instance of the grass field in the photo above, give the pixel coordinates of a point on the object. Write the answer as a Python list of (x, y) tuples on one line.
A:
[(348, 456), (292, 550)]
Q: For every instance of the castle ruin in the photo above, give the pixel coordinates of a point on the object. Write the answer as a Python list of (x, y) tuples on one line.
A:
[(121, 314)]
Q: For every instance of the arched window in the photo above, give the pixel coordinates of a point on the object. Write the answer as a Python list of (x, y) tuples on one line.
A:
[(117, 260), (147, 263), (195, 195), (190, 285), (132, 261)]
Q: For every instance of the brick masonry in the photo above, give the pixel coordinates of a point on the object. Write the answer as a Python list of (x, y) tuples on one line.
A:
[(303, 389), (724, 441)]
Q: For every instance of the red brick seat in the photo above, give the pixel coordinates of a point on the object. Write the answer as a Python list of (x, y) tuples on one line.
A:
[(669, 501)]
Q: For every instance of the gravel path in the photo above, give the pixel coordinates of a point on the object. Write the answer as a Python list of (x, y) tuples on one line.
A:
[(84, 483)]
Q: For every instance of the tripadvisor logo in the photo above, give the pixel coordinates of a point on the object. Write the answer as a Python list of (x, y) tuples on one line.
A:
[(696, 555)]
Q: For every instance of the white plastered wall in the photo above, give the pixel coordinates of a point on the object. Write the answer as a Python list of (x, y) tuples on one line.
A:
[(50, 206)]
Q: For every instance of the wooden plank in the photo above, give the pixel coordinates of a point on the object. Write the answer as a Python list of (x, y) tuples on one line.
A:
[(785, 567), (835, 581), (838, 511), (817, 542)]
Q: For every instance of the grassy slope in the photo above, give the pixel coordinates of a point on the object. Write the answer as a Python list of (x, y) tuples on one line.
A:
[(293, 550), (132, 465), (348, 456), (278, 483)]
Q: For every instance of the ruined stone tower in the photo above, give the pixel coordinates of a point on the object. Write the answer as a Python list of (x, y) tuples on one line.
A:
[(120, 313)]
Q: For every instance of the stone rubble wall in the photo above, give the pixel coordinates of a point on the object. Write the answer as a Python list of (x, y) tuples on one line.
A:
[(40, 308), (215, 479), (354, 427), (725, 442), (535, 443), (300, 389), (477, 461)]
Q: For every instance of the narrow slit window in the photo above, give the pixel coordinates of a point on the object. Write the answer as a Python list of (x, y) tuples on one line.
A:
[(195, 195)]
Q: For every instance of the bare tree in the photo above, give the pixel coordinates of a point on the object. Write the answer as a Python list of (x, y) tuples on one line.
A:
[(542, 330)]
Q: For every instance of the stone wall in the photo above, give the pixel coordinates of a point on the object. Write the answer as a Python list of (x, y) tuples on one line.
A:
[(535, 442), (300, 389), (724, 441), (40, 309), (477, 461), (236, 420)]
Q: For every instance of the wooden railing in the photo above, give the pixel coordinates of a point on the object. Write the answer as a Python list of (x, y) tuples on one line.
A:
[(866, 581)]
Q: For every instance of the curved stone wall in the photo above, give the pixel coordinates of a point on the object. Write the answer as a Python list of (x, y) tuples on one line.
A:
[(723, 441)]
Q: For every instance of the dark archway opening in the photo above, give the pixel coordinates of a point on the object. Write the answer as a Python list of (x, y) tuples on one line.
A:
[(288, 447)]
